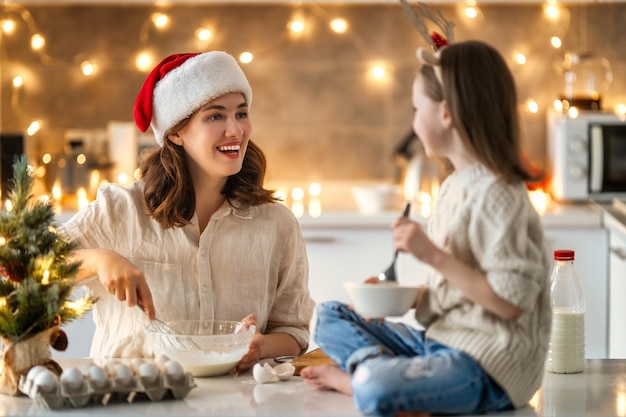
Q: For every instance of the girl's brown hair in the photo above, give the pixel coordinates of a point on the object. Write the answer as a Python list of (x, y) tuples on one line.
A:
[(168, 189), (480, 92)]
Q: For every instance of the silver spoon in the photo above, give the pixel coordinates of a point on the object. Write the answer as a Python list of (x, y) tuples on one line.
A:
[(390, 273)]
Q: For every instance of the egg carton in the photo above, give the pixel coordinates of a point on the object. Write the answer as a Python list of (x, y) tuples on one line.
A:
[(64, 394)]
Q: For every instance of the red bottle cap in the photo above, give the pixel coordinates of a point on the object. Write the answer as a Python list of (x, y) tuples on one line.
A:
[(563, 255)]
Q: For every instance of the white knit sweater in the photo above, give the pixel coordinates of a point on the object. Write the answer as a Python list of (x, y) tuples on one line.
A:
[(492, 226)]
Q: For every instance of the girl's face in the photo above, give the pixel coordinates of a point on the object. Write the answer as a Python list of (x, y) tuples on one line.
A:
[(216, 137), (428, 124)]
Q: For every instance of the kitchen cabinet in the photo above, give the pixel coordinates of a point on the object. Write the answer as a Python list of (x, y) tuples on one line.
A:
[(617, 285), (337, 255), (615, 223)]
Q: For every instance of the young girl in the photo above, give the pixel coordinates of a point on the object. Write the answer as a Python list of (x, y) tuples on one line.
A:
[(197, 237), (485, 306)]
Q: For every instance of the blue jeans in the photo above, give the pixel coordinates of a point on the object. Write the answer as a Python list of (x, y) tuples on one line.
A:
[(395, 367)]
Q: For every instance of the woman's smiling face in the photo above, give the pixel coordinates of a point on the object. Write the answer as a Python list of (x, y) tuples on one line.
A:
[(216, 137)]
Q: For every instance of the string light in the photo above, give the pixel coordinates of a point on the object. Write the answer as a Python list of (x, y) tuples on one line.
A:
[(160, 20), (37, 41), (87, 68), (203, 34), (33, 128), (144, 61), (532, 106), (339, 25), (246, 57), (296, 26), (8, 26)]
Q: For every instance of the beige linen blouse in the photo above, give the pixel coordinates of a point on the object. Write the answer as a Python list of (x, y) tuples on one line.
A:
[(249, 259)]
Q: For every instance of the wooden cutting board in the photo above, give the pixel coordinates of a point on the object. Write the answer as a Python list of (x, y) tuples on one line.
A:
[(312, 358)]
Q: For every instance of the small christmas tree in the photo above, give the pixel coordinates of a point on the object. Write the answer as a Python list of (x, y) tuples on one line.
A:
[(36, 281)]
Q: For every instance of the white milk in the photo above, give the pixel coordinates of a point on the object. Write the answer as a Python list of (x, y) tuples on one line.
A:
[(566, 353)]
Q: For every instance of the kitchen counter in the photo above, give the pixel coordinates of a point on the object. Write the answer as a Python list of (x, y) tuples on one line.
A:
[(555, 215), (599, 391)]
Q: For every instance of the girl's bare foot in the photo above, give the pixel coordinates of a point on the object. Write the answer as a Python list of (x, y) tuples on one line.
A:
[(327, 377)]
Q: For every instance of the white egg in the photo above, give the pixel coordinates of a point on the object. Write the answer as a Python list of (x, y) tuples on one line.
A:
[(123, 373), (284, 371), (46, 380), (72, 378), (263, 373), (149, 372), (173, 369), (32, 373), (109, 366), (97, 376), (161, 359), (136, 363)]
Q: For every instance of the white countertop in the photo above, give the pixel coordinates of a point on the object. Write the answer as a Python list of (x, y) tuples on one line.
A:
[(556, 215), (599, 391)]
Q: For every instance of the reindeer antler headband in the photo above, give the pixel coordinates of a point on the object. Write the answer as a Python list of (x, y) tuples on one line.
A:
[(434, 39)]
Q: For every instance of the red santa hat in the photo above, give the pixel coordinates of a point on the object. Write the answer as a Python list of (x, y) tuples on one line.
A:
[(181, 84)]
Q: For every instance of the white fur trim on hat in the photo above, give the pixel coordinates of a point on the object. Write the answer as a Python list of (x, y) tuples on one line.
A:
[(196, 82)]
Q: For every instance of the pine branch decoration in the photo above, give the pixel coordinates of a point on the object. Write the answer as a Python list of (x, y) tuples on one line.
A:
[(36, 270)]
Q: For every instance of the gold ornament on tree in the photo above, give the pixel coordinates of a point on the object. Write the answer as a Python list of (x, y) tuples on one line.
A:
[(36, 283)]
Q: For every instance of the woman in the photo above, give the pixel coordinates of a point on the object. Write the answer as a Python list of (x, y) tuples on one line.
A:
[(197, 237)]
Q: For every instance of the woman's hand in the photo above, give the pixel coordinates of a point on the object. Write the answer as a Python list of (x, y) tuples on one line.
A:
[(118, 276), (254, 351)]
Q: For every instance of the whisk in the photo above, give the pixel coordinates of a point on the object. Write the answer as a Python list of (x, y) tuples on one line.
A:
[(171, 337)]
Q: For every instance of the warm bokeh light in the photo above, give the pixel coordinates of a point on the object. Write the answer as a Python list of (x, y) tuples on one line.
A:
[(37, 41), (8, 26), (33, 128), (122, 178), (378, 72), (18, 81), (339, 25), (297, 194), (558, 105), (81, 158), (246, 57), (471, 12), (520, 58), (87, 68), (532, 106), (296, 26), (57, 194), (315, 189), (203, 34), (144, 61), (572, 112), (45, 280), (555, 41), (81, 198), (160, 20)]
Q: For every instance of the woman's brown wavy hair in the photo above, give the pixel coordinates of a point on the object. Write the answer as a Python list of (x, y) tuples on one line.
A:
[(168, 189)]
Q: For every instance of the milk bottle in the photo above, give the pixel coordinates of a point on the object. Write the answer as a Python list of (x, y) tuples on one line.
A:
[(566, 353)]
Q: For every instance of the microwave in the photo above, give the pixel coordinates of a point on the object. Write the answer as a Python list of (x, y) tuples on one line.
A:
[(586, 156)]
